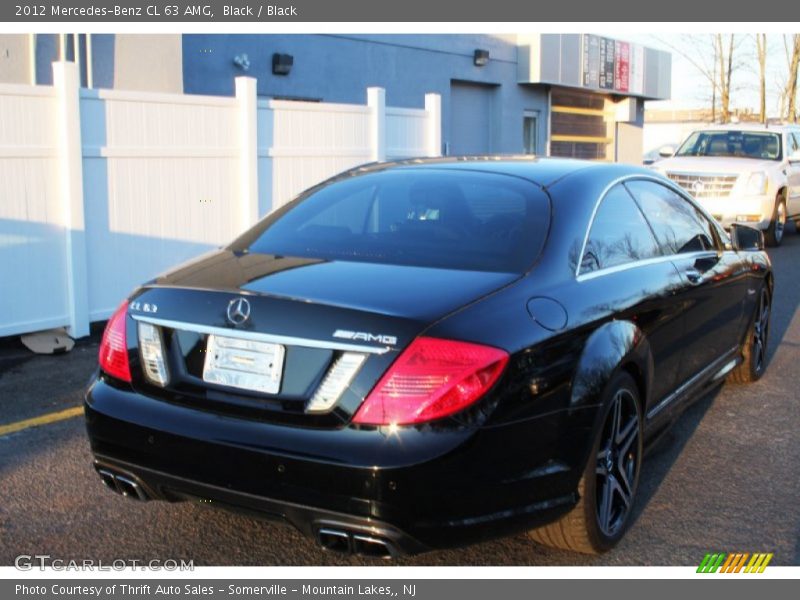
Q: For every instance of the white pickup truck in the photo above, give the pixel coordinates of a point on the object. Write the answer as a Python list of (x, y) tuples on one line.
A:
[(741, 174)]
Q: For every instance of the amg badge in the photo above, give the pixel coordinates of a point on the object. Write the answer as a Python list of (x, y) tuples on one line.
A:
[(363, 336)]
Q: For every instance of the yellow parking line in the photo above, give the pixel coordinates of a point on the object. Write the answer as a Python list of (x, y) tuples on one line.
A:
[(53, 417)]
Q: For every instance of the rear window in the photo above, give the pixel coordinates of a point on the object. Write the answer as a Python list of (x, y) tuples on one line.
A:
[(426, 218)]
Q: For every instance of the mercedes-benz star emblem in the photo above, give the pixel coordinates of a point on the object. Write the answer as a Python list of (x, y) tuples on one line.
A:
[(698, 187), (238, 311)]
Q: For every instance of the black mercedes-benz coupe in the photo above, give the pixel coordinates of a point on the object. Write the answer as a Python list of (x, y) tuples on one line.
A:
[(429, 353)]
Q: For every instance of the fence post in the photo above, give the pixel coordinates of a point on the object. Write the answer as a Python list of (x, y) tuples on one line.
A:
[(246, 106), (376, 100), (433, 125), (70, 173)]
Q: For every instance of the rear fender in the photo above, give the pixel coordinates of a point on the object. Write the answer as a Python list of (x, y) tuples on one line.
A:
[(615, 346)]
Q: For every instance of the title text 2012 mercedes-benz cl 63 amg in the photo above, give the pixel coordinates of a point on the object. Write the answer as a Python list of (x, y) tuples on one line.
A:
[(430, 353)]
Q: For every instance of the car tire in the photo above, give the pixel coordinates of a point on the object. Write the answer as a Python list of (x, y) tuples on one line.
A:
[(607, 488), (754, 347), (773, 236)]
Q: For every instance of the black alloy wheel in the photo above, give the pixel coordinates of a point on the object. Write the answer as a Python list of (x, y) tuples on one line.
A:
[(618, 462), (607, 489), (761, 333), (754, 347)]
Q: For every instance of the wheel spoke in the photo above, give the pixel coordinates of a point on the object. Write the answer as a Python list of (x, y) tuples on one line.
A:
[(627, 435), (606, 502), (626, 465), (616, 417), (622, 493)]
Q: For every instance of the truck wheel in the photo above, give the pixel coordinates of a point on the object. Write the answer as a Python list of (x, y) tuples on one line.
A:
[(774, 233)]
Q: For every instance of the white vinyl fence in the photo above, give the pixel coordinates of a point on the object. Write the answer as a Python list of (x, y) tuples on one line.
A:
[(101, 190)]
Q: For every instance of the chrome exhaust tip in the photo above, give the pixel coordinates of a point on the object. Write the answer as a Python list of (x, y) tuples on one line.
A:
[(108, 480), (345, 542), (372, 547), (335, 541), (124, 485), (130, 488)]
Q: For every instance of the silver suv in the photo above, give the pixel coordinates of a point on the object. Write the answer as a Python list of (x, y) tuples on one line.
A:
[(741, 174)]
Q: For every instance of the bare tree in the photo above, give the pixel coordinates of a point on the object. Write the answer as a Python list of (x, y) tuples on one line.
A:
[(761, 51), (789, 100), (715, 57), (725, 49), (702, 55)]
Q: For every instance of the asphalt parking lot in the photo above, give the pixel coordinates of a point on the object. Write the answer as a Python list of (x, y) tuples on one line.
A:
[(724, 479)]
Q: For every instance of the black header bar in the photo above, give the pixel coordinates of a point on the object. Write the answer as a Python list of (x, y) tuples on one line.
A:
[(440, 11)]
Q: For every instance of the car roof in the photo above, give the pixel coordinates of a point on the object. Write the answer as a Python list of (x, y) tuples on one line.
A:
[(750, 127), (543, 171)]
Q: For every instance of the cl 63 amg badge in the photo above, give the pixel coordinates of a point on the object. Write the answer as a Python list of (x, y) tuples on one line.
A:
[(147, 307), (363, 336)]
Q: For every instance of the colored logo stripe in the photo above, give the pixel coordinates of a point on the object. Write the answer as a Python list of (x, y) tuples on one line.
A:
[(711, 563), (758, 563), (734, 562)]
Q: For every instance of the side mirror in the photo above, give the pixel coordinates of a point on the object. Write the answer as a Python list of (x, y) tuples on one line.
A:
[(666, 151), (746, 238), (794, 156)]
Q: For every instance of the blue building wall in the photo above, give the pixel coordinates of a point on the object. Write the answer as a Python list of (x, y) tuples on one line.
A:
[(46, 55), (47, 45), (339, 68)]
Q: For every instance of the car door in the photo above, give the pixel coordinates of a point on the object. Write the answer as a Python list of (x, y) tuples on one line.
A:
[(624, 274), (793, 176), (712, 277)]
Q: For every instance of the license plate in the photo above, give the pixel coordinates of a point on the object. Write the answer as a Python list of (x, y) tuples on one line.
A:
[(244, 364)]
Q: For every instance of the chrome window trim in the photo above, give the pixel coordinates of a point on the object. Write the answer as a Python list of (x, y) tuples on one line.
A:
[(638, 177), (285, 340), (644, 262), (623, 267)]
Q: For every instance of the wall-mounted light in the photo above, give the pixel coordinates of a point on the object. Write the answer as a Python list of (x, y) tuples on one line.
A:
[(481, 58), (242, 61), (282, 63)]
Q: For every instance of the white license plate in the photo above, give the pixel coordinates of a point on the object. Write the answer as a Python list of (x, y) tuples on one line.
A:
[(244, 364)]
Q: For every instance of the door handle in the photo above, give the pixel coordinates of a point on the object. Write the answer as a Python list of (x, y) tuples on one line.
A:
[(694, 276)]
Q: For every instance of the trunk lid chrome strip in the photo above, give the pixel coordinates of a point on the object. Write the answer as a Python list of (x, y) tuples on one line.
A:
[(261, 337)]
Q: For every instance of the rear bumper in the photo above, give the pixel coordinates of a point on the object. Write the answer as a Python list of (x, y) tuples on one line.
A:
[(310, 521), (417, 490)]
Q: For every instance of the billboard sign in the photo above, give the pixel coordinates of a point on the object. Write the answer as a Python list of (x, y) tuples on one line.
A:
[(612, 65)]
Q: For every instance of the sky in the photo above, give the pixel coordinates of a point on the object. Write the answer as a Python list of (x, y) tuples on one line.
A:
[(690, 89)]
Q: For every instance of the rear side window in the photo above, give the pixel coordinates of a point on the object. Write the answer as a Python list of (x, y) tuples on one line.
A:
[(678, 225), (619, 234), (418, 217)]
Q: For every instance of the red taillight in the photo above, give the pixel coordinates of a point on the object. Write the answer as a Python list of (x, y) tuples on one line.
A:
[(431, 379), (114, 346)]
